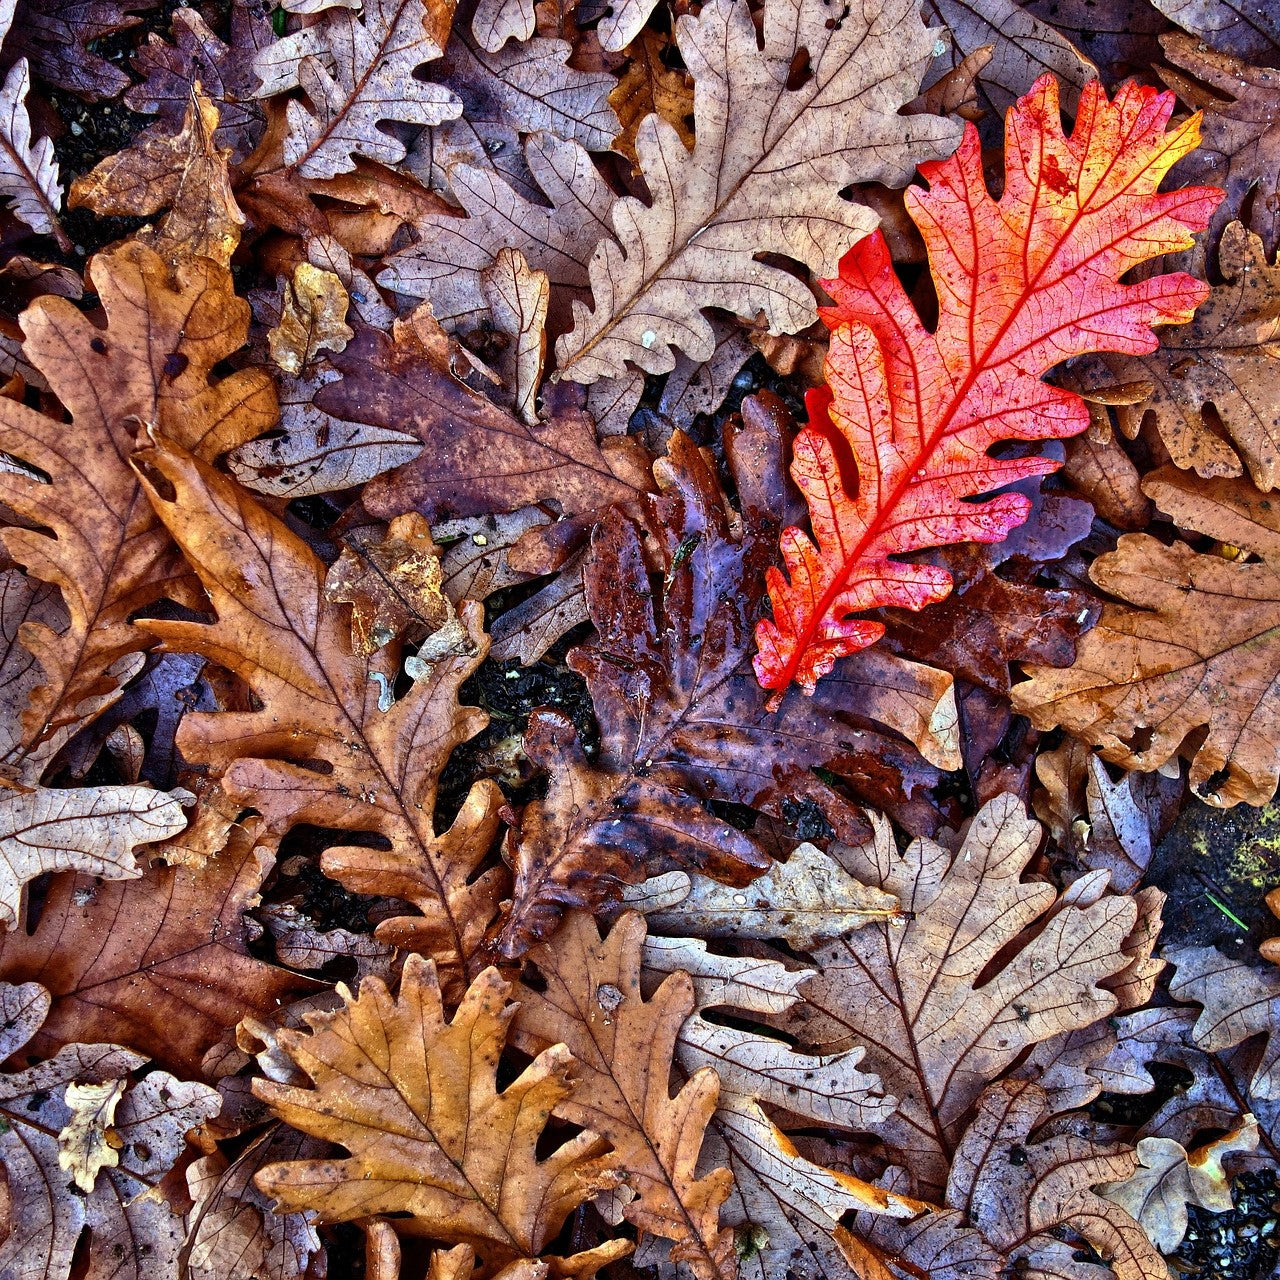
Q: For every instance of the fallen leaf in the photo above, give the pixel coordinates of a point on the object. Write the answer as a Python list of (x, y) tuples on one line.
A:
[(1098, 467), (176, 168), (1241, 132), (497, 21), (1217, 374), (895, 448), (151, 365), (715, 209), (162, 961), (478, 458), (1228, 26), (648, 86), (61, 43), (355, 73), (518, 297), (1170, 1178), (89, 829), (319, 701), (132, 1231), (909, 990), (1180, 660), (28, 170), (463, 1165), (312, 318), (588, 999)]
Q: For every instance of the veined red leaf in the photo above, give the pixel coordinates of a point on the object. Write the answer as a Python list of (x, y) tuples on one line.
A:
[(898, 443)]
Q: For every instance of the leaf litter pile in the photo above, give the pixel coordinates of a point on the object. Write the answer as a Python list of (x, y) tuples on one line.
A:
[(617, 625)]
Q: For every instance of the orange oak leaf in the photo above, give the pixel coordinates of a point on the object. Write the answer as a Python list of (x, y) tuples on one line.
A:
[(899, 441), (331, 744)]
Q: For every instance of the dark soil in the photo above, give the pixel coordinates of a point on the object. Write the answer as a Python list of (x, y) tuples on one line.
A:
[(1241, 1245)]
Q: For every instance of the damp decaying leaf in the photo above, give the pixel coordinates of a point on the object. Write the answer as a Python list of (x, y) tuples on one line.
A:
[(313, 318)]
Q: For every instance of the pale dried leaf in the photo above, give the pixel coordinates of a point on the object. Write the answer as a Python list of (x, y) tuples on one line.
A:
[(28, 171), (497, 21), (1170, 1178), (89, 829), (716, 209), (518, 297), (810, 896), (87, 1143)]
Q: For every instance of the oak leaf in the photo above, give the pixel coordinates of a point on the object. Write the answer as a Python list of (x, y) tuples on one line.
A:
[(313, 318), (479, 458), (518, 298), (1240, 147), (88, 829), (133, 1233), (176, 168), (1217, 374), (28, 169), (162, 962), (151, 365), (1228, 26), (357, 72), (682, 717), (910, 990), (899, 442), (1183, 659), (556, 226), (435, 1140), (61, 43), (1170, 1178), (588, 998), (320, 702), (648, 86), (737, 194)]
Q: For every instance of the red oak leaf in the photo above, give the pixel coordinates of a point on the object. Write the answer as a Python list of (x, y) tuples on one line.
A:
[(898, 443)]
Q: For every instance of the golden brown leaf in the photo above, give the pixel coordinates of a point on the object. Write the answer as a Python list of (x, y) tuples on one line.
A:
[(647, 87), (322, 703), (151, 365), (434, 1139), (622, 1046), (184, 172), (395, 588), (1199, 650), (312, 318)]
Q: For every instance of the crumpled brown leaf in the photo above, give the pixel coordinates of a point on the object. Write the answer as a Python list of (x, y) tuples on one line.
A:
[(1198, 651), (313, 318), (87, 829), (320, 701), (761, 148), (1218, 374), (518, 298), (150, 366), (133, 1232), (179, 169), (436, 1140)]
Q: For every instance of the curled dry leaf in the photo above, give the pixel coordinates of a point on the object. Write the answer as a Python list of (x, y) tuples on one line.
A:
[(162, 962), (88, 829), (319, 701), (1184, 658), (28, 170), (151, 366), (176, 168), (357, 72), (70, 1105), (436, 1140), (910, 990), (395, 588), (761, 148), (1170, 1178), (1218, 373), (518, 297), (313, 318), (588, 999), (899, 443)]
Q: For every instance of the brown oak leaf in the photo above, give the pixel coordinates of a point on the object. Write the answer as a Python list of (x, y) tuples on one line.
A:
[(1197, 650), (435, 1140), (320, 703), (150, 366)]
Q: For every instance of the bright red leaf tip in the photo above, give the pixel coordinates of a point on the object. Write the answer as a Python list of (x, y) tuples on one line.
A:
[(898, 443)]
